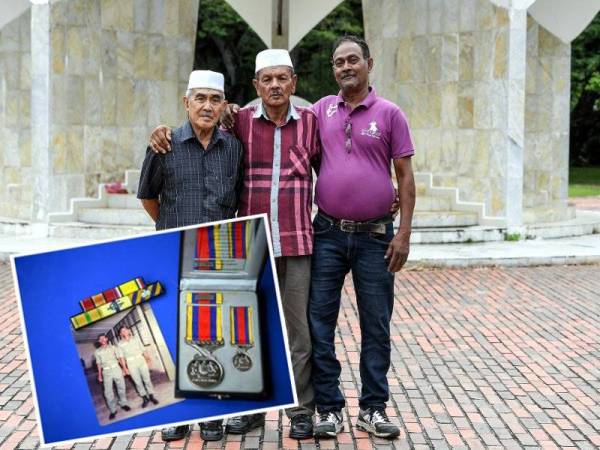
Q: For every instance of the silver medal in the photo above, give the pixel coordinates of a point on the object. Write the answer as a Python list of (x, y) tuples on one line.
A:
[(242, 361), (205, 371)]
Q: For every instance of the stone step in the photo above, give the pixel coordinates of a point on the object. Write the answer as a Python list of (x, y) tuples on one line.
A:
[(115, 216), (428, 203), (456, 235), (129, 201), (79, 230), (437, 219)]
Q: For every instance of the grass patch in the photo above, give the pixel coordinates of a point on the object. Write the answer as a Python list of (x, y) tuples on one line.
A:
[(512, 237), (584, 181)]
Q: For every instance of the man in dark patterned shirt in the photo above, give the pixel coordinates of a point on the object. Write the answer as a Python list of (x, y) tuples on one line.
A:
[(200, 179)]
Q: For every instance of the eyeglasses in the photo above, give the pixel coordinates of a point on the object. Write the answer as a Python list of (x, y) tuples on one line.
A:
[(348, 131)]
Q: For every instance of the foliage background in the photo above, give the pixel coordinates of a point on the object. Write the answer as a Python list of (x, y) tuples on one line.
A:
[(585, 97)]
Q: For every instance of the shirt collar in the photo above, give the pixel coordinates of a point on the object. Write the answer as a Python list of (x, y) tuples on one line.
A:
[(188, 133), (367, 101), (291, 114)]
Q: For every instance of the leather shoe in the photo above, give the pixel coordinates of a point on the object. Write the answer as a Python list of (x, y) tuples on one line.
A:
[(174, 433), (152, 399), (212, 430), (301, 427), (125, 408), (112, 416), (145, 401), (243, 424)]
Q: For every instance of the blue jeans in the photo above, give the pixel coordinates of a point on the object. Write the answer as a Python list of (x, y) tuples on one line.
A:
[(335, 254)]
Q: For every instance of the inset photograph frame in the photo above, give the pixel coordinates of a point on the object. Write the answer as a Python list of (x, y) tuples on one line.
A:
[(50, 288)]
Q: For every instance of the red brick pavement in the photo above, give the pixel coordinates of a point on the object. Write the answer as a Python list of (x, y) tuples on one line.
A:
[(482, 358)]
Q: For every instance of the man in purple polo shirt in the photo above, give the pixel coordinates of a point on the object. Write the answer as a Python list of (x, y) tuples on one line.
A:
[(361, 135)]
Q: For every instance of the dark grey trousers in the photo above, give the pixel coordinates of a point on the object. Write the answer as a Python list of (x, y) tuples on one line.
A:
[(293, 273)]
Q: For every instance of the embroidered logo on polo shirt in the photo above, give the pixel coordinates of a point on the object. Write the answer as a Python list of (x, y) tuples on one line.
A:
[(332, 109), (373, 131)]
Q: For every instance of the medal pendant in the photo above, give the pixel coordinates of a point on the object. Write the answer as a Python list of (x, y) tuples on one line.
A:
[(205, 371), (242, 361)]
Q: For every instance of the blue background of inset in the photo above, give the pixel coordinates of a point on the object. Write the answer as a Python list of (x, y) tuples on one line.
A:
[(51, 286)]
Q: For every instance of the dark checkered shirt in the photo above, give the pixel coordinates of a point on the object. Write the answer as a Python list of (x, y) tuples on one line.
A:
[(193, 185)]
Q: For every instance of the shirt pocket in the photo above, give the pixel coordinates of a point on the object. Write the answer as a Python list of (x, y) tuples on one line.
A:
[(222, 190), (299, 162)]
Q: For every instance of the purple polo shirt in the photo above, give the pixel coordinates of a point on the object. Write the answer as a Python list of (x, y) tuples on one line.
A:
[(356, 184)]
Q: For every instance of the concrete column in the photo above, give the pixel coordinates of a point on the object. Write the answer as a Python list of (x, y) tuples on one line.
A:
[(40, 101), (517, 55), (280, 24)]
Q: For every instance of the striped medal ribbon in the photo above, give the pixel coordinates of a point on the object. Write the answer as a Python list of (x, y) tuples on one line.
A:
[(204, 332), (112, 294), (204, 321), (222, 247), (117, 305), (242, 336)]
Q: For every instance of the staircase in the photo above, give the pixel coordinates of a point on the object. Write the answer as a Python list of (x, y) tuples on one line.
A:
[(107, 216), (439, 217)]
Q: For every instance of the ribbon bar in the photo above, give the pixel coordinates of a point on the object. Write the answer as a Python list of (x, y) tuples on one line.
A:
[(222, 246), (120, 304), (112, 294)]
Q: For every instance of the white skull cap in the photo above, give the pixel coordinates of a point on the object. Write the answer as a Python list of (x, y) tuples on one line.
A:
[(206, 79), (273, 57)]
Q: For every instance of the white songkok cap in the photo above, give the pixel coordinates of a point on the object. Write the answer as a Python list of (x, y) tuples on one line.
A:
[(206, 79), (273, 57)]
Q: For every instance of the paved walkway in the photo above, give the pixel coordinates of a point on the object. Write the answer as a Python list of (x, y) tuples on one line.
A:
[(482, 358), (586, 203), (580, 249)]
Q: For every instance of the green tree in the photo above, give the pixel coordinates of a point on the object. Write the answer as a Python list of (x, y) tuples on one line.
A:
[(585, 96), (312, 56), (227, 44)]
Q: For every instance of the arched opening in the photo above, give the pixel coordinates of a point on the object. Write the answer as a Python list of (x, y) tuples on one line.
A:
[(227, 44)]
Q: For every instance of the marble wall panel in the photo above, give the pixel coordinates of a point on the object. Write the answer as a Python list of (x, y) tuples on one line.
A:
[(15, 117), (546, 126), (498, 82)]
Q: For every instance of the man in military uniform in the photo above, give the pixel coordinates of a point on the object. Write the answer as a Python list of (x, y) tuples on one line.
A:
[(109, 372), (135, 360)]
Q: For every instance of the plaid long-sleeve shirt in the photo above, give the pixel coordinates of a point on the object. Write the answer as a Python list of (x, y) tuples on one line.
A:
[(278, 174)]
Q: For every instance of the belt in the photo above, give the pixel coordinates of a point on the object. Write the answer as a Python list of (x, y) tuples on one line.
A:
[(350, 226)]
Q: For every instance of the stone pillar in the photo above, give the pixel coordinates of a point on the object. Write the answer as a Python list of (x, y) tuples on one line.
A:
[(515, 131), (40, 102), (15, 118), (105, 73), (486, 98)]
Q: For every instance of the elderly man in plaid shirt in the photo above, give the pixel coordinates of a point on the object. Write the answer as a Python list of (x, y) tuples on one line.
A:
[(281, 144)]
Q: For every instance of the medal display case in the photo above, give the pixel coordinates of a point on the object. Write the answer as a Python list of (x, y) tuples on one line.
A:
[(220, 348)]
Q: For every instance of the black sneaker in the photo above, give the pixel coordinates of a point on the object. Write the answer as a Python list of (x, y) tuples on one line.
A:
[(243, 424), (301, 427), (125, 408), (174, 433), (112, 416), (375, 421), (329, 424), (211, 430)]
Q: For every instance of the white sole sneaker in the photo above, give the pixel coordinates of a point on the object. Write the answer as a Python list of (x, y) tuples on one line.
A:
[(327, 433), (367, 427)]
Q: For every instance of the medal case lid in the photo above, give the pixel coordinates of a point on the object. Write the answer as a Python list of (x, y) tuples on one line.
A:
[(243, 277)]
